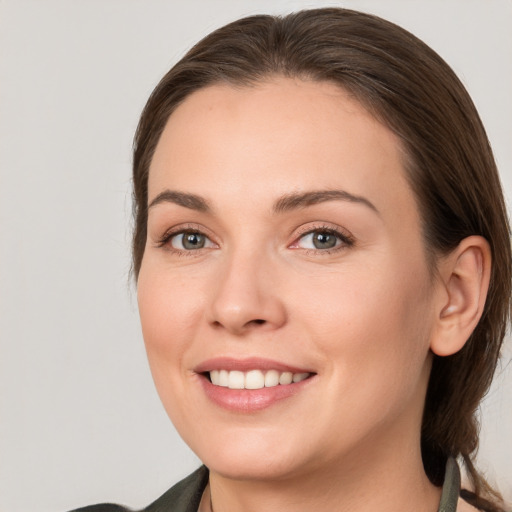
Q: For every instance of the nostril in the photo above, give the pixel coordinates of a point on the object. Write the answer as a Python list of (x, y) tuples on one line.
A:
[(256, 321)]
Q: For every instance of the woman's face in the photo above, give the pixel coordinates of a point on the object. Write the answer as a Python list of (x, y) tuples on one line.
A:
[(284, 243)]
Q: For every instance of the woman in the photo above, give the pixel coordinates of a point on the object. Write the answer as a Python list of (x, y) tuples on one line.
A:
[(322, 259)]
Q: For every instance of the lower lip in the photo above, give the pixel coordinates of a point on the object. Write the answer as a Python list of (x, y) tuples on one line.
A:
[(250, 400)]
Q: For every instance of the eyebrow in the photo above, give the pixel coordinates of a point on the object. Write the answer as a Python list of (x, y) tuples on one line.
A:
[(190, 201), (282, 205), (303, 200)]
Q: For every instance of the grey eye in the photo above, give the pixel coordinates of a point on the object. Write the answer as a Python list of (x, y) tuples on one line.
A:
[(189, 241), (322, 240), (319, 240)]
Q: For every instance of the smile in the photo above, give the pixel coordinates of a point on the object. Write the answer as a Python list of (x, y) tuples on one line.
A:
[(251, 384), (254, 379)]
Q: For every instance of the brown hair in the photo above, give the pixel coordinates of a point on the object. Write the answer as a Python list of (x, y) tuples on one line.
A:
[(450, 166)]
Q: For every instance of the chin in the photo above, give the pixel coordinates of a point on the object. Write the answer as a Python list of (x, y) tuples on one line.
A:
[(240, 458), (255, 469)]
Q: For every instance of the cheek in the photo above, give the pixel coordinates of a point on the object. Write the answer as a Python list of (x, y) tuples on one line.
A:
[(374, 324), (170, 310), (170, 306)]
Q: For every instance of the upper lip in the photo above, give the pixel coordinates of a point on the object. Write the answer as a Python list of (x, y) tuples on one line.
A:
[(247, 364)]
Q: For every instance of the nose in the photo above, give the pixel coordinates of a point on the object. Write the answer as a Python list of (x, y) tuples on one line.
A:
[(246, 297)]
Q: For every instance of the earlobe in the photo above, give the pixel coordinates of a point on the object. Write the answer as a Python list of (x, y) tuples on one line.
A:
[(465, 275)]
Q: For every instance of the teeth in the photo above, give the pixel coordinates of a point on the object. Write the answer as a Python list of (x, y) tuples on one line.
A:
[(271, 378), (297, 377), (236, 380), (224, 378), (285, 378), (254, 379)]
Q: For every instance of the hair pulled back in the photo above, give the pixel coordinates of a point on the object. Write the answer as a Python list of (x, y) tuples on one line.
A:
[(449, 165)]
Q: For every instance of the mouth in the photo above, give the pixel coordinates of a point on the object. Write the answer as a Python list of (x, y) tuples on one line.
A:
[(251, 384), (254, 379)]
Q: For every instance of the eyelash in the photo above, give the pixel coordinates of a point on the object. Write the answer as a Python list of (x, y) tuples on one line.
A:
[(342, 236), (346, 239), (165, 240)]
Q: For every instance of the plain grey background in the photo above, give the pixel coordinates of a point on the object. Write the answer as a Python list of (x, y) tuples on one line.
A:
[(80, 421)]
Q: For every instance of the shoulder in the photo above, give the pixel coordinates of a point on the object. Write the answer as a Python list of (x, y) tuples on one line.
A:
[(185, 496), (182, 497)]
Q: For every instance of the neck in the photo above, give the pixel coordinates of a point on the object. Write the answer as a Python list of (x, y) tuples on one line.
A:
[(380, 476)]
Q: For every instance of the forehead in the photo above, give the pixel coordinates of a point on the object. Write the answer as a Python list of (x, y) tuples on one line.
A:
[(295, 134)]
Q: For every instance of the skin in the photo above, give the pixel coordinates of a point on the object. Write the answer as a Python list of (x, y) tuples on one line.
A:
[(364, 316)]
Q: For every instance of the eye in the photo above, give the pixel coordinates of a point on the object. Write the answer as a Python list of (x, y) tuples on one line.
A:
[(190, 241), (319, 240), (322, 239)]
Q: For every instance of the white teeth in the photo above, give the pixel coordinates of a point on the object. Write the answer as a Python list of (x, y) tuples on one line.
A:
[(214, 377), (236, 380), (224, 378), (285, 378), (254, 379), (271, 378)]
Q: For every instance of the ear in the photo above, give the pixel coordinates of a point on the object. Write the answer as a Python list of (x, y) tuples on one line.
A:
[(464, 280)]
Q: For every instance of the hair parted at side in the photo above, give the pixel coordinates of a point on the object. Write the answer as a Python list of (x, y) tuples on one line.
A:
[(449, 164)]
